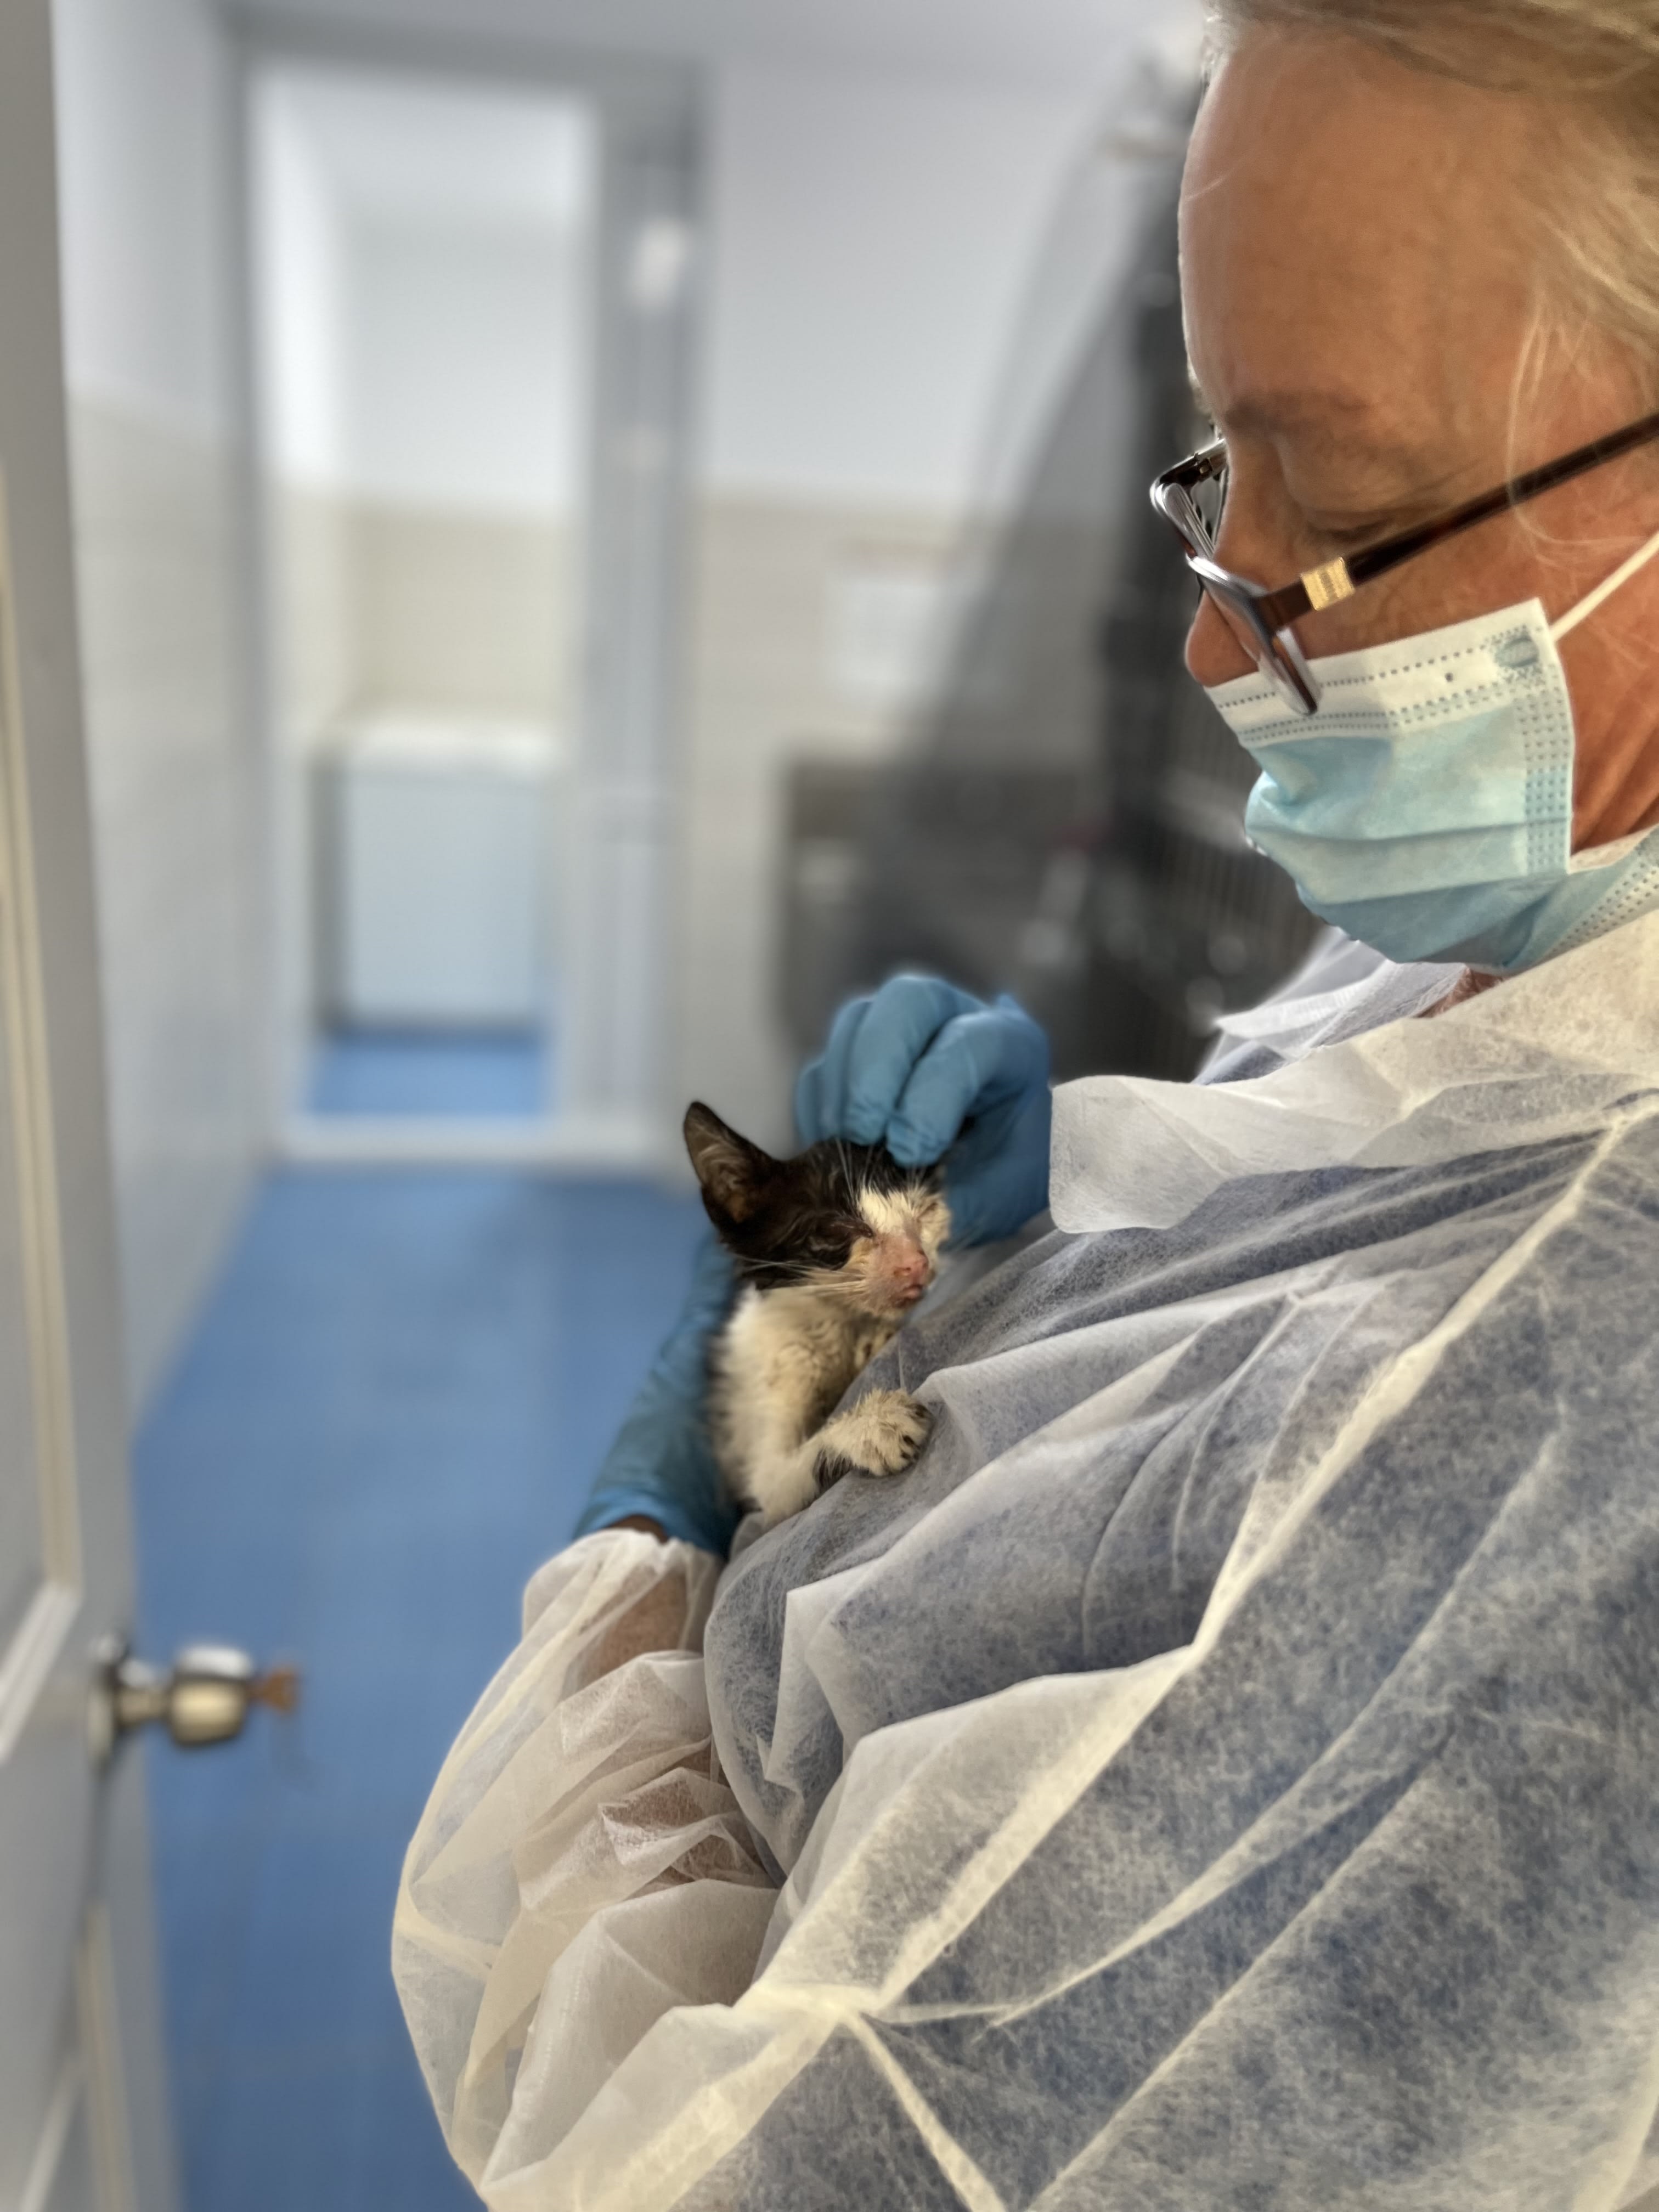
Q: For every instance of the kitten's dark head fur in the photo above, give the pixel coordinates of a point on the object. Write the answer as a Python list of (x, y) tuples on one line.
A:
[(845, 1217)]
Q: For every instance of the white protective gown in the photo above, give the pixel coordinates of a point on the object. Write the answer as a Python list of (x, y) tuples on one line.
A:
[(1222, 1772)]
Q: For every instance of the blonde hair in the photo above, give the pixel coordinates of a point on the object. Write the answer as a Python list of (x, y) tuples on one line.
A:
[(1593, 65)]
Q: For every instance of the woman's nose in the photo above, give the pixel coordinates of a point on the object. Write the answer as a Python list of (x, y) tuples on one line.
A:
[(1214, 654)]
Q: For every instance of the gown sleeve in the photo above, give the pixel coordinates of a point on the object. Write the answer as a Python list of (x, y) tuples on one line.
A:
[(581, 1868)]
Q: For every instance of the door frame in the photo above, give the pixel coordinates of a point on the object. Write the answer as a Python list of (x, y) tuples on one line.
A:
[(95, 2098), (612, 1113)]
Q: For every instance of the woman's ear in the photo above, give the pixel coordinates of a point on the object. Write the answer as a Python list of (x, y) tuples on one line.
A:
[(730, 1169)]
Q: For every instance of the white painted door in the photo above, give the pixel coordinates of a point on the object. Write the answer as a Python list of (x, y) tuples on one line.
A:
[(82, 2106)]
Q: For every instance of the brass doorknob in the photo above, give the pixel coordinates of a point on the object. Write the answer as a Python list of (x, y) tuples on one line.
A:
[(203, 1698)]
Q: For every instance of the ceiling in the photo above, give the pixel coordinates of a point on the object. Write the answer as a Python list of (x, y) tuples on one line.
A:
[(1043, 45)]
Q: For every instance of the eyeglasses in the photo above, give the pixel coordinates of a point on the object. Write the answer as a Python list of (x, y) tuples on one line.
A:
[(1191, 497)]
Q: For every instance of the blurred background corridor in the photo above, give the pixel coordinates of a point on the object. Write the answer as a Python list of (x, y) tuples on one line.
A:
[(600, 527)]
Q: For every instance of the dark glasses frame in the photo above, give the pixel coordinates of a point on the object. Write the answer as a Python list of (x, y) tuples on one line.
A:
[(1261, 619)]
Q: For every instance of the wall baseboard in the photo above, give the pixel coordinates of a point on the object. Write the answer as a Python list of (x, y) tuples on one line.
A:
[(576, 1143)]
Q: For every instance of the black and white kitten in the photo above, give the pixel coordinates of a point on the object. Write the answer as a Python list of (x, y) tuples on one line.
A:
[(833, 1247)]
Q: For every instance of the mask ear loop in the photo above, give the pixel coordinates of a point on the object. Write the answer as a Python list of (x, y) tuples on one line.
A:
[(1604, 592), (1602, 856)]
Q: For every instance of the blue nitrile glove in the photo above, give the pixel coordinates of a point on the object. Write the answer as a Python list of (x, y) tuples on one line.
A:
[(661, 1464), (934, 1074)]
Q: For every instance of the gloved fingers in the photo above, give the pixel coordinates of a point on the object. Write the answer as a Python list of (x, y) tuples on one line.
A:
[(904, 1018), (852, 1090), (821, 1091), (988, 1141), (978, 1059), (996, 1175)]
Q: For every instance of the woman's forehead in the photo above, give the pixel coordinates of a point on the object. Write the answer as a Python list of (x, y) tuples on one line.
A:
[(1353, 254)]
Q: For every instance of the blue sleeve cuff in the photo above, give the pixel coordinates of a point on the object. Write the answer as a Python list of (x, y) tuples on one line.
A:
[(662, 1465), (710, 1524)]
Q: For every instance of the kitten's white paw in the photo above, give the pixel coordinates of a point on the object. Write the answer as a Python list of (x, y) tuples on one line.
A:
[(881, 1435)]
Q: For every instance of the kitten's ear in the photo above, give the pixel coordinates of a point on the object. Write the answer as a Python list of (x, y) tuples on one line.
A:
[(730, 1169)]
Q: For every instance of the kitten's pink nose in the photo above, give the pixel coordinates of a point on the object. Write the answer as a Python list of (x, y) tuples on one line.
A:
[(910, 1269)]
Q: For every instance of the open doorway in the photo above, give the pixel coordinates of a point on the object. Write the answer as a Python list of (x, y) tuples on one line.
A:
[(471, 299)]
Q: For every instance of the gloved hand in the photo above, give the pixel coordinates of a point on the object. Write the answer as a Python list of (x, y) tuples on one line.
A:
[(662, 1465), (933, 1073)]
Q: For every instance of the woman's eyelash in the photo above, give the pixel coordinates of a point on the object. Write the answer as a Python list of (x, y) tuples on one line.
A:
[(1350, 536)]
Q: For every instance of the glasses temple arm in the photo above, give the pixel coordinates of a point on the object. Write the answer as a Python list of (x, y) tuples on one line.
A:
[(1278, 610), (1377, 560)]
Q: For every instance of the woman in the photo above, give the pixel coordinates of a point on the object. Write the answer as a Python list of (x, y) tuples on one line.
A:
[(1221, 1771)]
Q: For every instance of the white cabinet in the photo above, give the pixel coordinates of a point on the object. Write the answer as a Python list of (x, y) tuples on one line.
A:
[(437, 835)]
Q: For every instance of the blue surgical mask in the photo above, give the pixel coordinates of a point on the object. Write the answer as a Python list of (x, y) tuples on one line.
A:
[(1426, 806)]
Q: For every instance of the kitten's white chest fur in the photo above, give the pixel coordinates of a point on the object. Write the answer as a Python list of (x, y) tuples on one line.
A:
[(781, 1364)]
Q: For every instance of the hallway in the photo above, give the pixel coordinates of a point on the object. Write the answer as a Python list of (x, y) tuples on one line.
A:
[(387, 1415)]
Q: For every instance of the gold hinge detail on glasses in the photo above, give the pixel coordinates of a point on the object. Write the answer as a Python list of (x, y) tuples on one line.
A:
[(1325, 586)]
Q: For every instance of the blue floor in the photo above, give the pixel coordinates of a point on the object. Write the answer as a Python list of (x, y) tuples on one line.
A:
[(388, 1414), (491, 1072)]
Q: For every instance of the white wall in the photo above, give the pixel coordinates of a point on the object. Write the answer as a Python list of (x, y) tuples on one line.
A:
[(1054, 45), (423, 367), (144, 122), (304, 367), (423, 320), (871, 238), (145, 99), (441, 315)]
